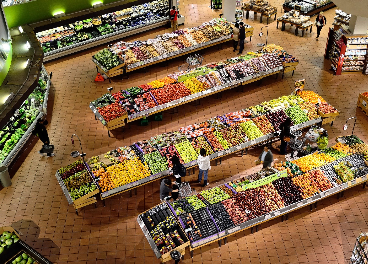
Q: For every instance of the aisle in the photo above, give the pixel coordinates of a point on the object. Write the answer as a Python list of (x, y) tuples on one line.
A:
[(111, 234)]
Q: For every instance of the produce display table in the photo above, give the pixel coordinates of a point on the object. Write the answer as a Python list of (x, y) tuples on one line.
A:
[(129, 167), (360, 254), (124, 57), (303, 27), (268, 15), (247, 202), (22, 125), (308, 8), (362, 102), (87, 196), (18, 249), (138, 103), (259, 6)]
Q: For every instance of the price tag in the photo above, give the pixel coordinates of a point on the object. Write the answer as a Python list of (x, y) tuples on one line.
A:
[(277, 213), (221, 153), (267, 216), (299, 204)]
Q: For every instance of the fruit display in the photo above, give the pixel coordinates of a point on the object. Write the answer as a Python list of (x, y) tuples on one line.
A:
[(191, 228), (7, 239), (84, 31), (272, 198), (104, 100), (312, 161), (221, 216), (221, 139), (342, 148), (263, 124), (22, 258), (104, 180), (344, 171), (71, 169), (145, 147), (186, 151), (289, 192), (167, 139), (276, 118), (236, 213), (23, 118), (326, 108), (304, 182), (334, 153), (205, 223), (251, 130), (253, 202), (195, 202), (296, 114), (168, 153), (352, 140), (235, 118), (227, 190), (214, 195), (311, 96), (239, 184), (182, 206), (234, 135), (310, 109), (111, 111), (156, 162), (107, 59), (213, 141), (201, 142), (320, 180)]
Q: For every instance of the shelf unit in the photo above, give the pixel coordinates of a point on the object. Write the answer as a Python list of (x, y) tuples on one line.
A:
[(348, 53), (341, 20), (311, 7), (360, 250)]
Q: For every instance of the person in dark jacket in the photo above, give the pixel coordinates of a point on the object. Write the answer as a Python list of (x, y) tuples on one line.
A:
[(41, 132), (285, 135), (241, 37), (165, 188), (178, 169), (266, 157), (320, 22)]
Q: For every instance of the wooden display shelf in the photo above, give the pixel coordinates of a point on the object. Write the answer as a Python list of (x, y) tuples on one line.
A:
[(327, 115), (297, 26), (247, 10), (166, 257), (362, 103), (118, 122)]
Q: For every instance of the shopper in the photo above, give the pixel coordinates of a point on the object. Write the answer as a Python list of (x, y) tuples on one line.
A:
[(241, 37), (174, 18), (285, 135), (178, 169), (322, 141), (165, 189), (320, 22), (204, 165), (235, 36), (41, 132), (266, 157)]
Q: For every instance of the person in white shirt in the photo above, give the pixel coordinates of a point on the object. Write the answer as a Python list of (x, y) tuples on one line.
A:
[(204, 165), (266, 157)]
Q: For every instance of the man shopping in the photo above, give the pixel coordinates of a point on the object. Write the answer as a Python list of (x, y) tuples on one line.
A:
[(241, 37), (174, 18)]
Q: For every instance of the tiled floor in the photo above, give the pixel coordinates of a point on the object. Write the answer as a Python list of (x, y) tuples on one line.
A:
[(36, 206)]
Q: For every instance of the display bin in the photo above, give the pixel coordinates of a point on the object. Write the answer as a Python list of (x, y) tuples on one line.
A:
[(8, 229), (327, 115), (116, 123), (362, 103)]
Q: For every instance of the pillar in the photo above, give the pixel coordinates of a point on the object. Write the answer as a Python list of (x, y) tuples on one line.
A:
[(228, 8), (358, 25)]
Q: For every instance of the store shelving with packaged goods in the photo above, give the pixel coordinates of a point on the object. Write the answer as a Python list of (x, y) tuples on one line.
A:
[(348, 53), (341, 19), (124, 57), (15, 134), (90, 32), (129, 167), (308, 7), (15, 250), (219, 212), (360, 251), (118, 109)]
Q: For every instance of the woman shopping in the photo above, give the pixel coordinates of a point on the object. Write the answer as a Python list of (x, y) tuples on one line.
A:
[(204, 165), (320, 22)]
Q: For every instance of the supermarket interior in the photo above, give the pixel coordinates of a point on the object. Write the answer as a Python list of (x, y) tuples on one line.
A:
[(110, 110)]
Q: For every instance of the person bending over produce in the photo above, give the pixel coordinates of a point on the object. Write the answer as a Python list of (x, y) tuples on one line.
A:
[(204, 165), (165, 189), (322, 140), (41, 132), (266, 157), (178, 169), (285, 135)]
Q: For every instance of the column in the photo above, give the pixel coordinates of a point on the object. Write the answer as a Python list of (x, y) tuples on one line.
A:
[(358, 25), (228, 8)]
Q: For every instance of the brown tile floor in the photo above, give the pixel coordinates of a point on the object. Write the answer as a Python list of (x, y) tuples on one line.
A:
[(36, 205)]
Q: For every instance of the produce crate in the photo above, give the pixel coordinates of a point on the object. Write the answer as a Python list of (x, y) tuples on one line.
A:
[(116, 123), (9, 229), (327, 115), (362, 103)]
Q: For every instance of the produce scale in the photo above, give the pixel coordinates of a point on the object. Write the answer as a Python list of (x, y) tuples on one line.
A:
[(124, 57), (179, 88), (15, 134), (129, 167), (219, 212)]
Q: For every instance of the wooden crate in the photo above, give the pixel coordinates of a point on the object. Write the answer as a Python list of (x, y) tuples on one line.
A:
[(327, 115), (362, 103), (328, 120), (9, 229)]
